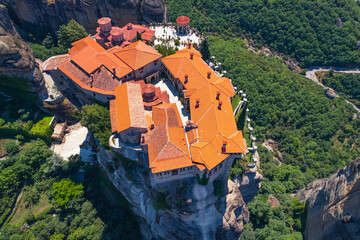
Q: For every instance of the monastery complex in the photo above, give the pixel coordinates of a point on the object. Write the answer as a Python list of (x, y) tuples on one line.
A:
[(147, 125)]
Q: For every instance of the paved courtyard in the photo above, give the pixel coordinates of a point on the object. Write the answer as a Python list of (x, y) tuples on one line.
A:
[(163, 33), (76, 142), (170, 89)]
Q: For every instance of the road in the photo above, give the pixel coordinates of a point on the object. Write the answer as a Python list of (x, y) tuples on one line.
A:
[(311, 75)]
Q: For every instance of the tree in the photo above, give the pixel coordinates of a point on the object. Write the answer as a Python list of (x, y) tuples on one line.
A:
[(204, 49), (11, 147), (35, 154), (70, 33), (66, 190), (97, 119), (55, 165), (31, 196), (138, 36)]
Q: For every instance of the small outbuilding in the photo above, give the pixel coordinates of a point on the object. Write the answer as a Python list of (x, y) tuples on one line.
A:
[(59, 132)]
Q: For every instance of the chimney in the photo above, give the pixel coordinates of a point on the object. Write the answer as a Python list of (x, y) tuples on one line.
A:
[(152, 126), (186, 78), (208, 74), (223, 148), (220, 104), (189, 45), (197, 103), (217, 95), (191, 55)]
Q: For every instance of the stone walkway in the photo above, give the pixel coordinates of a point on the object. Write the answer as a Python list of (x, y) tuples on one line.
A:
[(173, 97), (170, 31)]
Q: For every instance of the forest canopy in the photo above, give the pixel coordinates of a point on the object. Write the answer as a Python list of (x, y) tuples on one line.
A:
[(314, 33)]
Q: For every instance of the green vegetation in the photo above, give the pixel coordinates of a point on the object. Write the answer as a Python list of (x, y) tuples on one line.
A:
[(291, 110), (54, 206), (218, 188), (97, 119), (43, 126), (52, 45), (315, 135), (66, 190), (346, 84), (160, 203), (11, 147), (165, 49), (204, 50), (203, 180), (304, 30)]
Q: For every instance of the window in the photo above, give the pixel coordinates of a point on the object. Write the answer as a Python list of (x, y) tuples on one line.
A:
[(167, 174), (215, 170), (190, 169), (220, 166), (158, 175), (182, 170), (174, 172), (141, 70)]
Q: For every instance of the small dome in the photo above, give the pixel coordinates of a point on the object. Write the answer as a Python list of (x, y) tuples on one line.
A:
[(183, 20)]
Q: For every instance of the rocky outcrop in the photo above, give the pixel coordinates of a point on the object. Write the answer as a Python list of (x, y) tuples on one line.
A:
[(53, 13), (178, 210), (249, 184), (334, 205), (16, 57), (273, 201)]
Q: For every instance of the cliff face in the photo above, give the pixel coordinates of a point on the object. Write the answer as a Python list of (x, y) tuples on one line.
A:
[(53, 13), (249, 184), (177, 210), (16, 57), (334, 205)]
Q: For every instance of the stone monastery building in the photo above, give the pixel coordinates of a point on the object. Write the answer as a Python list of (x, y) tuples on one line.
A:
[(147, 127)]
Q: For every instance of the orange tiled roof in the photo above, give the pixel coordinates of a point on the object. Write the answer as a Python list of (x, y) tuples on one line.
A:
[(137, 55), (127, 109), (130, 32), (210, 108), (167, 144), (92, 67), (53, 62)]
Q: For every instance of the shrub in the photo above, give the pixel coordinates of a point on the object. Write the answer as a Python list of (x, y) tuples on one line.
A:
[(203, 180), (11, 147), (218, 188)]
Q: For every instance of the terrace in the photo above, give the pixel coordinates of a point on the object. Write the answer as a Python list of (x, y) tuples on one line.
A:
[(174, 98), (168, 34)]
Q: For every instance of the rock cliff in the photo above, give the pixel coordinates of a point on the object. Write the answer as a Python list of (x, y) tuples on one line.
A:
[(334, 205), (180, 210), (53, 13), (249, 184), (16, 57)]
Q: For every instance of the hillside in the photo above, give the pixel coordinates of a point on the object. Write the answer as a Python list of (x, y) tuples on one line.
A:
[(346, 84), (315, 135), (312, 32)]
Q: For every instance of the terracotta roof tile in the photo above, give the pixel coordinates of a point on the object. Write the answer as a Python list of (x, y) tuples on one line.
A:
[(137, 55), (129, 108), (53, 62), (210, 108)]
